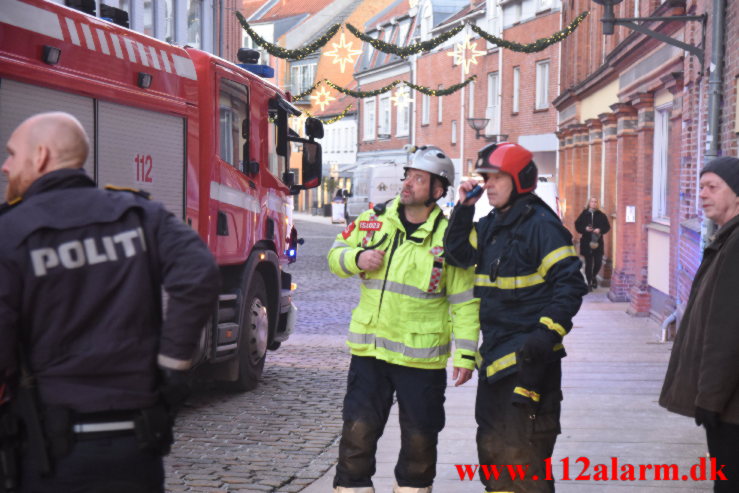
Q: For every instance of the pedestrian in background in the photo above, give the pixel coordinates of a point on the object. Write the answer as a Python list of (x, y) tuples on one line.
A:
[(530, 287), (592, 224), (81, 272), (412, 302), (702, 379)]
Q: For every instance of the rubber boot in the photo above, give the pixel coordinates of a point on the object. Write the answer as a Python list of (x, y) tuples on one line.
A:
[(410, 489)]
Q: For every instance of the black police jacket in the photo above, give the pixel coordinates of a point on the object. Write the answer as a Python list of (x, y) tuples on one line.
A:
[(81, 271), (527, 276)]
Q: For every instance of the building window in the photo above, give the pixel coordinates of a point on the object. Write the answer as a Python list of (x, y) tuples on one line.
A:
[(516, 87), (660, 162), (383, 121), (425, 109), (169, 21), (454, 131), (194, 29), (545, 4), (403, 33), (492, 19), (491, 110), (403, 116), (427, 21), (233, 110), (542, 85), (369, 119), (471, 100), (302, 76), (440, 108)]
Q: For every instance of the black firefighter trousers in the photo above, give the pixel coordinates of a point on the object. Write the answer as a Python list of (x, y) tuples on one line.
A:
[(509, 435), (369, 397)]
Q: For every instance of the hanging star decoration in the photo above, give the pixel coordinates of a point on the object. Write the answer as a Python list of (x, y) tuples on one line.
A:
[(343, 52), (466, 54), (412, 4), (402, 97), (322, 98)]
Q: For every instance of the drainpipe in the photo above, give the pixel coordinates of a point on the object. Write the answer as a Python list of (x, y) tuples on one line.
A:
[(715, 88), (666, 323)]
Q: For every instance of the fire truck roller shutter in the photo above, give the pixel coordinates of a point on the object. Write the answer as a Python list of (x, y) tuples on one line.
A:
[(142, 149), (19, 101)]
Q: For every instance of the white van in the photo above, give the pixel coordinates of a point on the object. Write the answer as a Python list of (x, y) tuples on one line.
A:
[(373, 184), (545, 189)]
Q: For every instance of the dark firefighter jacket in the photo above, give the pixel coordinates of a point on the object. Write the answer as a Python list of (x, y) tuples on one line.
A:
[(598, 220), (527, 275), (704, 365), (81, 271)]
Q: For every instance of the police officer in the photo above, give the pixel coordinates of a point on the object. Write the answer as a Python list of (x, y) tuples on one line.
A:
[(529, 284), (412, 302), (81, 271)]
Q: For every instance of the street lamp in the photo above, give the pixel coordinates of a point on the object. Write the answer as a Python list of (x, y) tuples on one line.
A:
[(609, 20), (478, 124)]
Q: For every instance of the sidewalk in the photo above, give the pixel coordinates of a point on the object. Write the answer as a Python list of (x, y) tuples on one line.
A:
[(612, 378), (304, 216)]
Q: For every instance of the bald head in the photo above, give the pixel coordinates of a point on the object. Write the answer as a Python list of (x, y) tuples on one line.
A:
[(41, 144), (63, 136)]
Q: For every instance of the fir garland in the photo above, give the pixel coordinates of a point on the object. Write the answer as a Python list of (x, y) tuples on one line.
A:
[(440, 92), (363, 94), (404, 51), (336, 118), (537, 45), (307, 92), (280, 52)]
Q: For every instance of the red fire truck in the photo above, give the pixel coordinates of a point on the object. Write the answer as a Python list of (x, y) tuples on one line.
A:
[(205, 136)]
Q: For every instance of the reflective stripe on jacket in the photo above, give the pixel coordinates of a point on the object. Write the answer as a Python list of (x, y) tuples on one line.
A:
[(410, 307), (527, 276)]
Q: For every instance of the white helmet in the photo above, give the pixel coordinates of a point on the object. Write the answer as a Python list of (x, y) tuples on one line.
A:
[(432, 160)]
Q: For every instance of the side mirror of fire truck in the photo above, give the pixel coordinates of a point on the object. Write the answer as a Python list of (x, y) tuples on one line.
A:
[(312, 164), (313, 128)]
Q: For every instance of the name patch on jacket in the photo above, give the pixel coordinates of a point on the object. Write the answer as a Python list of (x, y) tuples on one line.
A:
[(370, 225), (90, 251), (348, 231)]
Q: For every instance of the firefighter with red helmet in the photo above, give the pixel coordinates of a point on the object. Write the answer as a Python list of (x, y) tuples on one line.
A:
[(527, 276)]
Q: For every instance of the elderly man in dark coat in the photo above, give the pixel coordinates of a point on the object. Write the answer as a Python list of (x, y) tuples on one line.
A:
[(702, 378)]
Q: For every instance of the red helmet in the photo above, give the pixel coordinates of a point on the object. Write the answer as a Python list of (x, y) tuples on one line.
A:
[(512, 159)]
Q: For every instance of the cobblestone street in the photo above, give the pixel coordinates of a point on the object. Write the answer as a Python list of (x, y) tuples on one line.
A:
[(283, 435)]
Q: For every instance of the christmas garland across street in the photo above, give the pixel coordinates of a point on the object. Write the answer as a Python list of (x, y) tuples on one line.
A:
[(404, 51)]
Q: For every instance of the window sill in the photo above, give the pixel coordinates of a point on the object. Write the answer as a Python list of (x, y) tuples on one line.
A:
[(541, 110), (658, 225), (514, 113)]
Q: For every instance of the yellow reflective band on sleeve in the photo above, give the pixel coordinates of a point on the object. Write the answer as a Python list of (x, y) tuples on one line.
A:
[(533, 279), (463, 297), (530, 394), (555, 256), (501, 364), (467, 344), (552, 325), (342, 261)]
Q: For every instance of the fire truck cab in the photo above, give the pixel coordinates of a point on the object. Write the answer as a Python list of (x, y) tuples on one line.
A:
[(205, 136)]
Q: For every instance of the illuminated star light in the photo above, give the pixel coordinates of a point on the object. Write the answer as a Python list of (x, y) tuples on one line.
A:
[(323, 98), (343, 52), (466, 53), (412, 4), (402, 97)]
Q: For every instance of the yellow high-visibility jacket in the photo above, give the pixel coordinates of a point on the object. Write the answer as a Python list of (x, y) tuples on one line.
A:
[(411, 306)]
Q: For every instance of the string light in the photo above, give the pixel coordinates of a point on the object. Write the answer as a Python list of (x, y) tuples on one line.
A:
[(335, 118), (343, 52), (537, 45), (323, 98), (402, 97), (405, 51), (466, 53)]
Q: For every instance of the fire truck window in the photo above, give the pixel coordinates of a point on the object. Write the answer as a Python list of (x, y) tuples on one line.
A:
[(233, 105), (276, 162)]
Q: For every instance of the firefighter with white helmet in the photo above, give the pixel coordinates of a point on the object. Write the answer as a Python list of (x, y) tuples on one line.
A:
[(530, 287), (412, 305)]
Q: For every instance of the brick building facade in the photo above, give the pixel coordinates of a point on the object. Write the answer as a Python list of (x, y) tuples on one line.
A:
[(633, 116)]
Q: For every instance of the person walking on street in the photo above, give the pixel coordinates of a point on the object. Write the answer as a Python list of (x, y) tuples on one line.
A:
[(702, 379), (530, 287), (412, 304), (87, 361), (592, 224)]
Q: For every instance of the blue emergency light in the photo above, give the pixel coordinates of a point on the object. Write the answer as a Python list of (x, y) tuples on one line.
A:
[(249, 59)]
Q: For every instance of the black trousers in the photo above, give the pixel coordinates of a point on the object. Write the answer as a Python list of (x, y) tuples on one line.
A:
[(509, 435), (723, 444), (593, 263), (98, 464), (369, 397)]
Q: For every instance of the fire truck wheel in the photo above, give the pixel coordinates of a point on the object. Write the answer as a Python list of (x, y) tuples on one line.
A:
[(254, 328)]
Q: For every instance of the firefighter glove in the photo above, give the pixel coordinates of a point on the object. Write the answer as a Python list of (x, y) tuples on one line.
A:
[(539, 346), (175, 389)]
